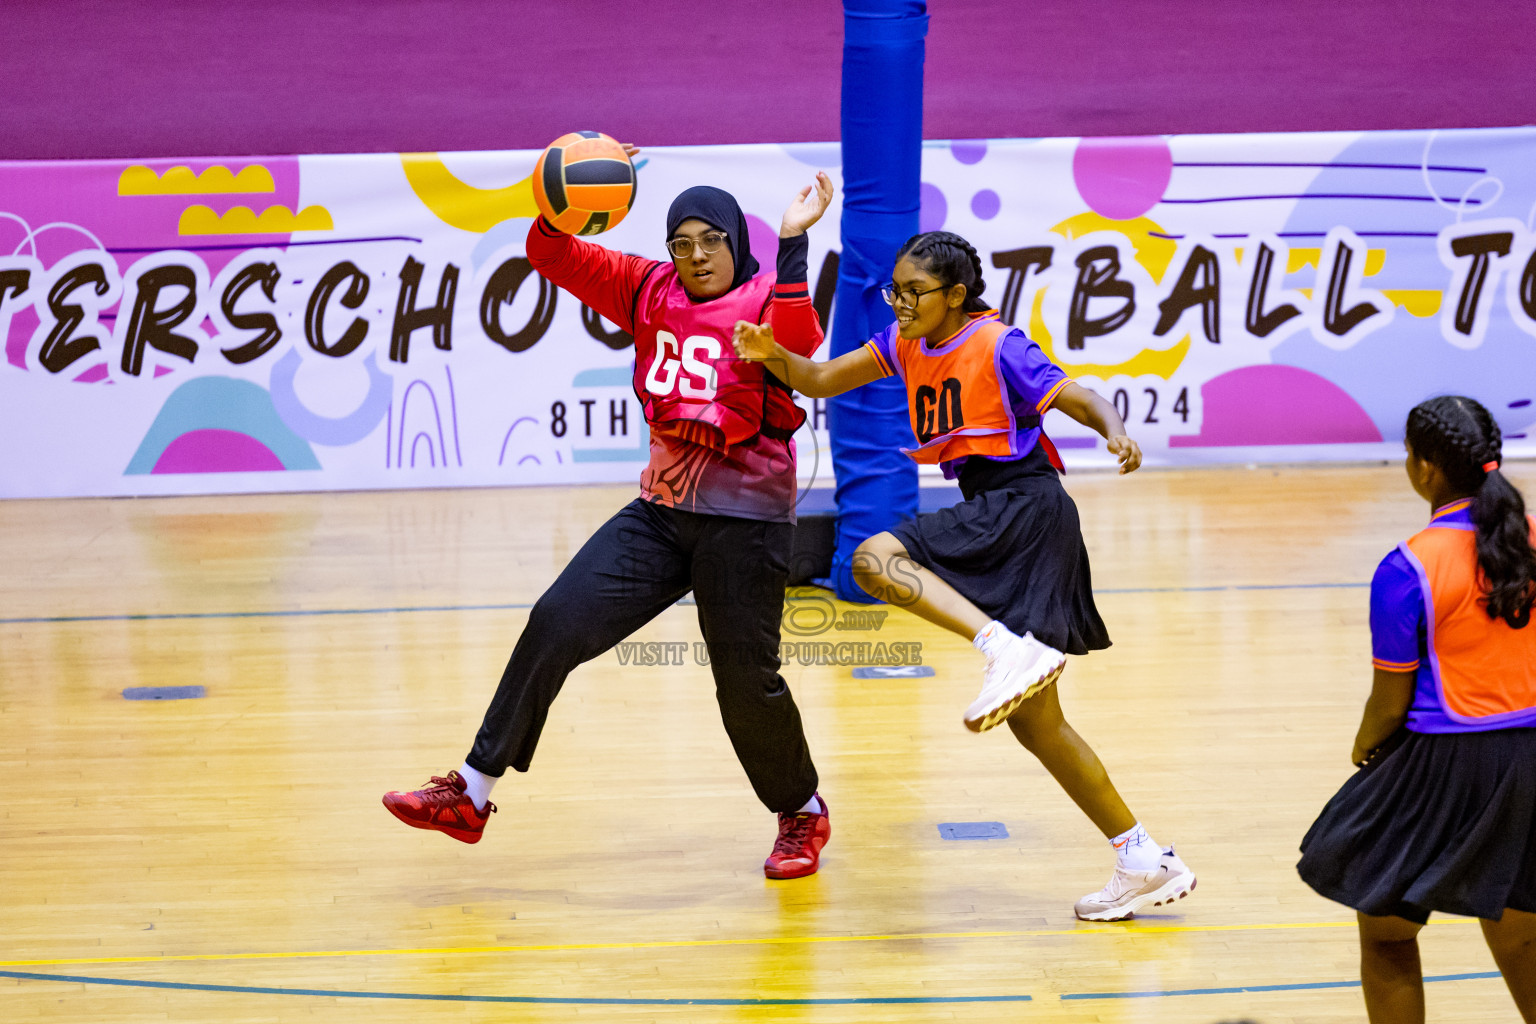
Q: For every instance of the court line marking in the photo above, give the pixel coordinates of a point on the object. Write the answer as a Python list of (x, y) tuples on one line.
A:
[(291, 613), (1232, 586), (640, 1001), (1291, 987), (406, 609), (559, 1000), (782, 940)]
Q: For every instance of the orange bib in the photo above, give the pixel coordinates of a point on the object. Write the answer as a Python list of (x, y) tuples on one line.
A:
[(1484, 668), (958, 401)]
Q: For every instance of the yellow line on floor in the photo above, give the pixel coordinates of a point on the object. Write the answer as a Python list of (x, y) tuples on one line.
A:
[(793, 940)]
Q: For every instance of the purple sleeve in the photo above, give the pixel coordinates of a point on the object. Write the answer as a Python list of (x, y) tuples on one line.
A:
[(1028, 372), (1397, 615), (882, 348)]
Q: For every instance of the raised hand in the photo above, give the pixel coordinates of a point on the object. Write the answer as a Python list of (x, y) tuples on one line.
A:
[(753, 341), (807, 207)]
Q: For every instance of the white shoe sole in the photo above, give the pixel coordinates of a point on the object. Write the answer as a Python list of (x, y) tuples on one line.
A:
[(988, 718), (1171, 891)]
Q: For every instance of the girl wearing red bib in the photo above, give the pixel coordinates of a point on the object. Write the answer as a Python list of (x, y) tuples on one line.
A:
[(715, 513), (1007, 567), (1442, 814)]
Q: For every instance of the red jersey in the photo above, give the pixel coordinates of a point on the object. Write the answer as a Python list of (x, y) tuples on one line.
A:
[(721, 428)]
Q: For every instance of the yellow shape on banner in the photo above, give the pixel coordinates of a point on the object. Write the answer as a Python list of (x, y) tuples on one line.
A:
[(1421, 302), (139, 180), (1375, 259), (1154, 253), (274, 220), (461, 205), (1150, 362)]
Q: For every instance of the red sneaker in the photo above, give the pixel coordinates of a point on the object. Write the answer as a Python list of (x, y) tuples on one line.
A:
[(443, 806), (798, 850)]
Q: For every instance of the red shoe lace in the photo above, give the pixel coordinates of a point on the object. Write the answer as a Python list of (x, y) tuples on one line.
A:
[(793, 833), (440, 791)]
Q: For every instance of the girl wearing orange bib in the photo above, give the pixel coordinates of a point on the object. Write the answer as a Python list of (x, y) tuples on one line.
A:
[(1442, 814), (1007, 567)]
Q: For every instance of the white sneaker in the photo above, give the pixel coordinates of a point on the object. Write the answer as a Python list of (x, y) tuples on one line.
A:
[(1018, 667), (1129, 891)]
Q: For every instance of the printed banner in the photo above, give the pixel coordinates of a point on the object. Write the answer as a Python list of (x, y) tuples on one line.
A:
[(364, 322)]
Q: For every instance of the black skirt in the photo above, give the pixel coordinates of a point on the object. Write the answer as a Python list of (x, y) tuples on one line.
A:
[(1015, 550), (1446, 822)]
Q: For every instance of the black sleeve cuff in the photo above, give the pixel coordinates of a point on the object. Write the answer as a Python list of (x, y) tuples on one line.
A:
[(794, 253)]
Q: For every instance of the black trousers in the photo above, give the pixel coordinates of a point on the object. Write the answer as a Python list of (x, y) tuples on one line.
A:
[(637, 565)]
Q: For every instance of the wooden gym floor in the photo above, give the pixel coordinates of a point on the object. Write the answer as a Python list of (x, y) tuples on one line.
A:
[(226, 858)]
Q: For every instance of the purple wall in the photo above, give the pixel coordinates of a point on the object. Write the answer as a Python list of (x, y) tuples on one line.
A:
[(176, 77)]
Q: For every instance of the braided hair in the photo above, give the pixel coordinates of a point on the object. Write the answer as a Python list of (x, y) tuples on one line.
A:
[(952, 260), (1458, 435)]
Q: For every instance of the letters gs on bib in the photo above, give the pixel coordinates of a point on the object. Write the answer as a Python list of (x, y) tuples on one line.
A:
[(262, 297), (686, 368)]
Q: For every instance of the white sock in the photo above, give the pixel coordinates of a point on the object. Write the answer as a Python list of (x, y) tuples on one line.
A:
[(992, 634), (813, 806), (1135, 850), (477, 786)]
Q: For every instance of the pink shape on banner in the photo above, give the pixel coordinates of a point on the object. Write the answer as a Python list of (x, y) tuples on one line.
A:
[(161, 371), (216, 451), (1122, 178), (84, 193), (764, 240), (1257, 405), (94, 374)]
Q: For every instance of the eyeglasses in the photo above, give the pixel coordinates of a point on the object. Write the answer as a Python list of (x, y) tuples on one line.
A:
[(710, 243), (908, 297)]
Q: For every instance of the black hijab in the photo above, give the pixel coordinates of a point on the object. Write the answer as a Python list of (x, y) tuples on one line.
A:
[(719, 209)]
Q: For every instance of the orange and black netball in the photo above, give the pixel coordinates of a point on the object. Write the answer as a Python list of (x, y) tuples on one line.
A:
[(584, 183)]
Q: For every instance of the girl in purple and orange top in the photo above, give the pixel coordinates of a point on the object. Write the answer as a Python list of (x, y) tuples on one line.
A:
[(715, 515), (1442, 814), (1006, 568)]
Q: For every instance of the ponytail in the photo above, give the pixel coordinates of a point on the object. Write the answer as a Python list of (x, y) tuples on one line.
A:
[(952, 260), (1459, 436)]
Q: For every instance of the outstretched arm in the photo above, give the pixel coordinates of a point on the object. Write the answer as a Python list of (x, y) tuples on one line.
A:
[(603, 279), (606, 280), (1090, 410), (812, 379)]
